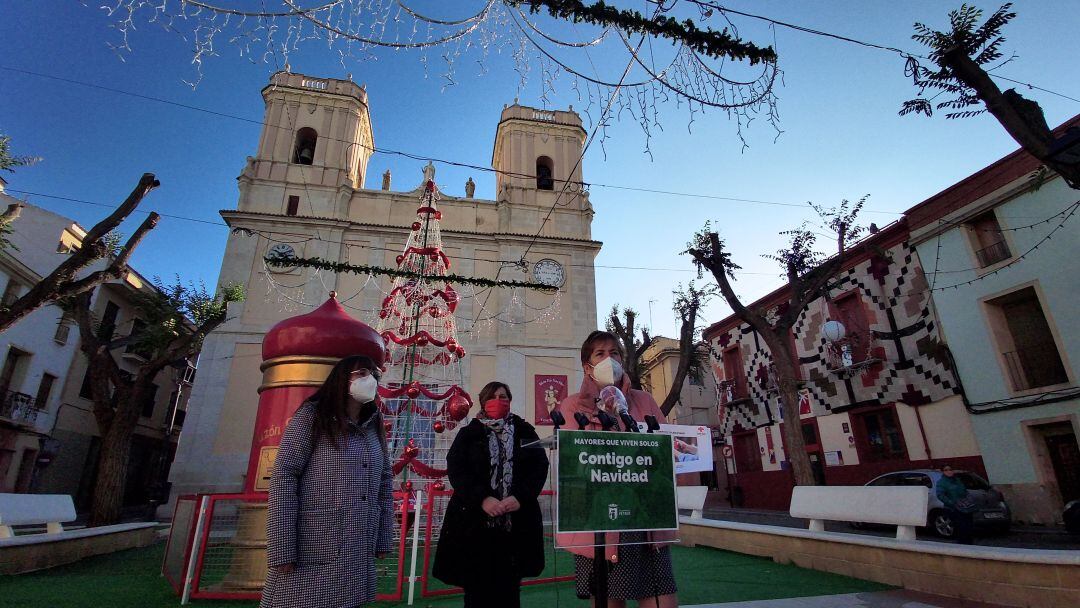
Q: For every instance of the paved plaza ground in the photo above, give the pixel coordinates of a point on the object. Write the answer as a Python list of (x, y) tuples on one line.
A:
[(706, 577)]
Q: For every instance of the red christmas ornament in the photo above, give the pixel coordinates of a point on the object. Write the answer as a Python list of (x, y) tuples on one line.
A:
[(388, 425), (438, 485), (438, 427), (461, 353), (416, 225), (457, 407), (421, 340), (413, 392), (430, 186), (407, 486)]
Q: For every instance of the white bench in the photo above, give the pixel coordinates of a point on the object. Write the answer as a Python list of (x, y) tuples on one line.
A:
[(53, 510), (693, 498), (901, 506), (28, 552)]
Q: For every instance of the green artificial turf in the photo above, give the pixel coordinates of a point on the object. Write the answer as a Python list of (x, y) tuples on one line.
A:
[(131, 579)]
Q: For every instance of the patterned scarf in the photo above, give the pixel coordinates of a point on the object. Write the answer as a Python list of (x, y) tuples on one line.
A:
[(501, 451)]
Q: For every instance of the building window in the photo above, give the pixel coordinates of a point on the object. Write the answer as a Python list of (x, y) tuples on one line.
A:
[(545, 172), (138, 326), (84, 390), (878, 436), (148, 402), (854, 347), (304, 150), (11, 366), (988, 240), (294, 205), (108, 321), (11, 293), (1027, 345), (44, 391), (63, 329), (733, 388), (747, 452)]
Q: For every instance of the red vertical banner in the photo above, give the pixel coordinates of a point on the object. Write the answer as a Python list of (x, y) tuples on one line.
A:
[(549, 391)]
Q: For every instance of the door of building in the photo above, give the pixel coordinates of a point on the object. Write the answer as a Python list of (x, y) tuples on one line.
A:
[(1065, 457)]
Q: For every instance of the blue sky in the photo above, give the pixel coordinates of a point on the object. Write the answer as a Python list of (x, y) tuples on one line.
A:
[(838, 106)]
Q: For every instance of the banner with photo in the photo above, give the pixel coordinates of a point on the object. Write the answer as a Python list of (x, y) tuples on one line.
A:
[(548, 391), (692, 445)]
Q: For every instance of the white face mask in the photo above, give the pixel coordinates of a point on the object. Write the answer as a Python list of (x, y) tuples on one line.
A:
[(607, 372), (364, 389)]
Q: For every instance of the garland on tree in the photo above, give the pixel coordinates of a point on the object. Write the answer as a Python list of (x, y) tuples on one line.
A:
[(288, 261), (707, 42)]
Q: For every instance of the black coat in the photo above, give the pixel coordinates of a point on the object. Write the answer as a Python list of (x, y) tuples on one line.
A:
[(468, 550)]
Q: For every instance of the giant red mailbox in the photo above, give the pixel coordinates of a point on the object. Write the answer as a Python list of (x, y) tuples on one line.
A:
[(298, 354)]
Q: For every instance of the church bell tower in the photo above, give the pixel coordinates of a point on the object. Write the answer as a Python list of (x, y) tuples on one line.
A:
[(316, 132)]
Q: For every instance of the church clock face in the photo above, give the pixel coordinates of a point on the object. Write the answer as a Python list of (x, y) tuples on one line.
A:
[(281, 250), (549, 272)]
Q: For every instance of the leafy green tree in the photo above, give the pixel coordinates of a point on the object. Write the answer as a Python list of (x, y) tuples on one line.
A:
[(174, 321), (963, 57)]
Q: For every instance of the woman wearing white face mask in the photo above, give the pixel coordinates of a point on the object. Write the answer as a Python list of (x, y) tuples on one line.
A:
[(330, 505), (640, 562)]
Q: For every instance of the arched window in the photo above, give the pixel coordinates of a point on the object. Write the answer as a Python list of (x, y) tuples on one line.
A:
[(545, 170), (304, 150)]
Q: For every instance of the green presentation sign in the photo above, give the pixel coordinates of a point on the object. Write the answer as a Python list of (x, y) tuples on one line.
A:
[(611, 481)]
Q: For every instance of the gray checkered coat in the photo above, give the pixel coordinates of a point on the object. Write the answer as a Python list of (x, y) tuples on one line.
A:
[(330, 511)]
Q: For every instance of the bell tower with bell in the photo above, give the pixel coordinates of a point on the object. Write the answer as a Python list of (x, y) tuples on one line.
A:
[(537, 159), (316, 133)]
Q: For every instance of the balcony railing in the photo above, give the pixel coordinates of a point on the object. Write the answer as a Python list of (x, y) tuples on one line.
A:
[(731, 392), (851, 355), (1035, 366), (19, 408), (993, 254)]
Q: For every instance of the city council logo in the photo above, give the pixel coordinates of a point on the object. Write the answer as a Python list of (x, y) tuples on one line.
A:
[(613, 511)]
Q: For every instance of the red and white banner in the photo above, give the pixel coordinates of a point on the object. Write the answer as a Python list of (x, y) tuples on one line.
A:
[(549, 391)]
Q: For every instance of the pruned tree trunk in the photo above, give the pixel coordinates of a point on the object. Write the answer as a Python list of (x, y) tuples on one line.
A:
[(1023, 119), (687, 305), (788, 381), (63, 281), (112, 463)]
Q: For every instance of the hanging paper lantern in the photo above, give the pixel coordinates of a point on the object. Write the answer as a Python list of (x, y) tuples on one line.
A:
[(438, 427), (457, 407)]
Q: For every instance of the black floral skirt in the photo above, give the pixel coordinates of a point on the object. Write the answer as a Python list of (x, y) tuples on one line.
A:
[(641, 572)]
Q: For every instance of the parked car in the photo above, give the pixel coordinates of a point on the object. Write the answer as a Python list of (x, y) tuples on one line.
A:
[(1071, 515), (992, 513)]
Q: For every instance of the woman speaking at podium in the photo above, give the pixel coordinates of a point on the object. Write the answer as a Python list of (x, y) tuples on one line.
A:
[(639, 565)]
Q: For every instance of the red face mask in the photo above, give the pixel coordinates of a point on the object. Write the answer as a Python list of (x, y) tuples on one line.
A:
[(496, 408)]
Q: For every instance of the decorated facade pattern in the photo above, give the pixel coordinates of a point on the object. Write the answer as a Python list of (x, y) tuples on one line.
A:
[(898, 356)]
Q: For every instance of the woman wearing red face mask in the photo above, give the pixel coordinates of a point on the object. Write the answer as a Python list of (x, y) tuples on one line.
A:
[(492, 534), (639, 562)]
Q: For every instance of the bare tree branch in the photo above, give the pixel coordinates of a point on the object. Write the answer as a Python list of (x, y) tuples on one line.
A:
[(62, 282)]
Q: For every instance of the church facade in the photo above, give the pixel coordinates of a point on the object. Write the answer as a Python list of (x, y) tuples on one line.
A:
[(305, 192)]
